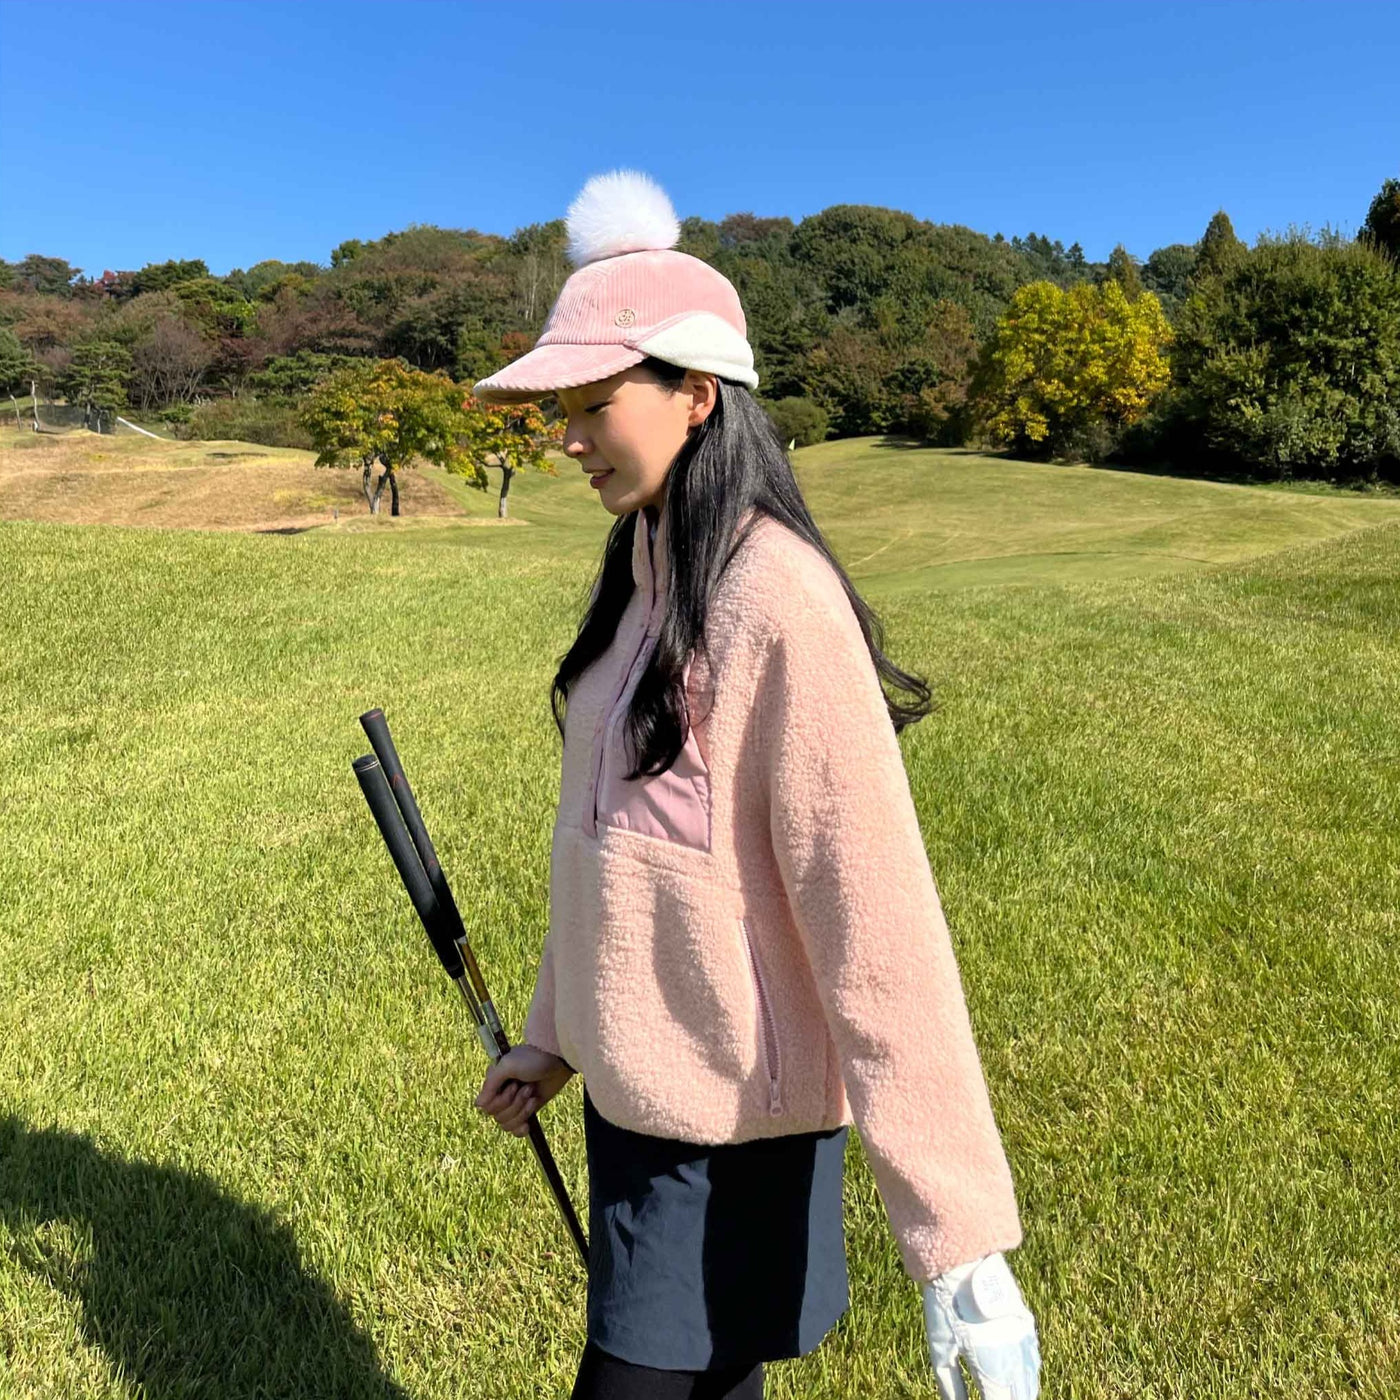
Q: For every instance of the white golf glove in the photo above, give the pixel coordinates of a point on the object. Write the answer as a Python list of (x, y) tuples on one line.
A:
[(976, 1311)]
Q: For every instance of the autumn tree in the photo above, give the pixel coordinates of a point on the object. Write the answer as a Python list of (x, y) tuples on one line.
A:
[(1062, 363), (168, 364), (509, 436), (386, 412)]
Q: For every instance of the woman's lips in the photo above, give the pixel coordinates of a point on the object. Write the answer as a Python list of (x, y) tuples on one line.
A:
[(598, 478)]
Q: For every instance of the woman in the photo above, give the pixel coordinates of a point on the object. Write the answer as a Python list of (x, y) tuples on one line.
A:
[(746, 951)]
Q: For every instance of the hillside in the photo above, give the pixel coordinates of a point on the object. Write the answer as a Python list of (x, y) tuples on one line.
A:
[(898, 517)]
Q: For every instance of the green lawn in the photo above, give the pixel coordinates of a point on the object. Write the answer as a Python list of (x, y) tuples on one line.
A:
[(1161, 800)]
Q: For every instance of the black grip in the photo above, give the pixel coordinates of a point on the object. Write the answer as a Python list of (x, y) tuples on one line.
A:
[(376, 729), (389, 820)]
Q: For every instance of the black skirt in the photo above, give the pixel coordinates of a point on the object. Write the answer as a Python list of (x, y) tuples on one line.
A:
[(702, 1257)]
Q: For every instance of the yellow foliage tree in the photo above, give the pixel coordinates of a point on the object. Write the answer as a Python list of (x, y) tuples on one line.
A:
[(1063, 362)]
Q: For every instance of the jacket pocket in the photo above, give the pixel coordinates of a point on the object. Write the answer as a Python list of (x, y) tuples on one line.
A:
[(767, 1026)]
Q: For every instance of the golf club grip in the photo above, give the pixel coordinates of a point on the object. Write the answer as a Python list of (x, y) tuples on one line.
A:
[(389, 820), (556, 1184), (376, 728)]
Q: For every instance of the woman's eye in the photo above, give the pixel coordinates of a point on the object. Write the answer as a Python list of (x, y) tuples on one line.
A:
[(596, 408)]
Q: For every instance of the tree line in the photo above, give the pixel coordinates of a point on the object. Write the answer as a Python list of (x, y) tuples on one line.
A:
[(1278, 360)]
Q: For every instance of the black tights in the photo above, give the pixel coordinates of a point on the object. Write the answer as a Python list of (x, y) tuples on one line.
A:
[(602, 1376)]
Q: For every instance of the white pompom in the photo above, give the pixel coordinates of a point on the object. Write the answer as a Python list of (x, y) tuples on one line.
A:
[(623, 211)]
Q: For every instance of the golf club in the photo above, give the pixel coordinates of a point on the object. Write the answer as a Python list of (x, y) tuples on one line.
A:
[(396, 813)]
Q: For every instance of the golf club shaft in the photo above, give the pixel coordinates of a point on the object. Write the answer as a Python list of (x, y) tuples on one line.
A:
[(389, 818)]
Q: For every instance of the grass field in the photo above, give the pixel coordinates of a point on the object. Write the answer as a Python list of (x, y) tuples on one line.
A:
[(1161, 799)]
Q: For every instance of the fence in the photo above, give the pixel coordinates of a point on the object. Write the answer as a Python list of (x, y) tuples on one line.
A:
[(60, 418)]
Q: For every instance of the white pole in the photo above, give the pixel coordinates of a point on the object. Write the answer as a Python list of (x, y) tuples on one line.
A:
[(135, 429)]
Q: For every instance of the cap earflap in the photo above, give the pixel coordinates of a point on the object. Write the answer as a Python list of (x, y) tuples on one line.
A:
[(623, 211)]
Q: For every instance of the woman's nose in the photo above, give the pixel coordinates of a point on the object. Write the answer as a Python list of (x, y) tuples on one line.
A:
[(575, 443)]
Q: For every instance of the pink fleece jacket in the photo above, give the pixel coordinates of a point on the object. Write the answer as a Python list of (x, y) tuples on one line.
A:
[(751, 943)]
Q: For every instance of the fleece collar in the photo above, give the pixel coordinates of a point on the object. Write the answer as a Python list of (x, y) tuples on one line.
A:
[(649, 566)]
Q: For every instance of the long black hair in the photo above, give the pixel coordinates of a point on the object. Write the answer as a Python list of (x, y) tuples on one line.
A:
[(734, 459)]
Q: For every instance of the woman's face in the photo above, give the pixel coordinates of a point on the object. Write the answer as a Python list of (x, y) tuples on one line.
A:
[(625, 432)]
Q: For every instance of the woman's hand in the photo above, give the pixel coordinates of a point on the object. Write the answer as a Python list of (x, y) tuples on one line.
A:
[(976, 1311), (519, 1084)]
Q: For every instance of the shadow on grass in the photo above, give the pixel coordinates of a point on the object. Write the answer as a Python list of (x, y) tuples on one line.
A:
[(188, 1292)]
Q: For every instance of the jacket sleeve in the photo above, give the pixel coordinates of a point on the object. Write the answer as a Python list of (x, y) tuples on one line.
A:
[(539, 1020), (856, 874)]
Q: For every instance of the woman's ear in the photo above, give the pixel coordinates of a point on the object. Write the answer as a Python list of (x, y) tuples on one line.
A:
[(703, 391)]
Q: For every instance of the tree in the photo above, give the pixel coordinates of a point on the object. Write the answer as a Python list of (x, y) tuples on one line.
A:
[(384, 411), (896, 368), (1049, 261), (1220, 251), (541, 268), (1122, 268), (848, 374), (95, 380), (169, 362), (1063, 363), (16, 367), (291, 376), (161, 277), (1290, 365), (510, 436), (1167, 273), (934, 375), (264, 280), (43, 276), (798, 421), (317, 322), (1382, 226)]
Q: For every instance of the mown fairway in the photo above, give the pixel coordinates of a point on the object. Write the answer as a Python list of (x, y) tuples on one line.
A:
[(1161, 800)]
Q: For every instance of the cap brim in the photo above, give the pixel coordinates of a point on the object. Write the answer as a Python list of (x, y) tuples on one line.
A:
[(549, 367)]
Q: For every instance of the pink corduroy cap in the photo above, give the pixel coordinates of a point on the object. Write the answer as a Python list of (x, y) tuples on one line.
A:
[(633, 295)]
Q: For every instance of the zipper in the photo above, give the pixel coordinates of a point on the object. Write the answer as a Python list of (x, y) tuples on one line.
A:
[(770, 1033)]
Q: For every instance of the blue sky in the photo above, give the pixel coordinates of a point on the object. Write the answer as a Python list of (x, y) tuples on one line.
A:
[(233, 131)]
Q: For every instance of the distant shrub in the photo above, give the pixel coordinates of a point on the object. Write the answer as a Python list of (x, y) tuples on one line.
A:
[(271, 422), (800, 420)]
